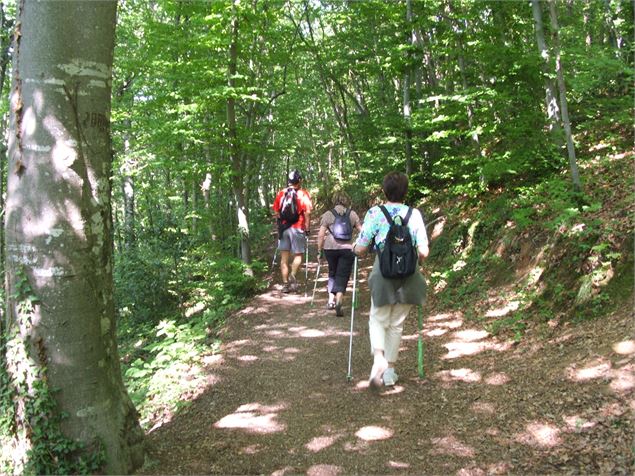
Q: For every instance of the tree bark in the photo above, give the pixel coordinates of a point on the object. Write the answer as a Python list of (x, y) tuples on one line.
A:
[(128, 191), (60, 310), (553, 113), (406, 92), (575, 175), (237, 173)]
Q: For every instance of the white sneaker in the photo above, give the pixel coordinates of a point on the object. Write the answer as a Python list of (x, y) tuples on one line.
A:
[(390, 377), (379, 367)]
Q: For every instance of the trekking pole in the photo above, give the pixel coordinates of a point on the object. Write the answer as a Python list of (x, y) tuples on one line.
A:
[(317, 275), (420, 348), (306, 265), (349, 375), (273, 263)]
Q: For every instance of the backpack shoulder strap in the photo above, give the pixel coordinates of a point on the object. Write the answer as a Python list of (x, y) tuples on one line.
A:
[(388, 217), (407, 217), (347, 213), (334, 212)]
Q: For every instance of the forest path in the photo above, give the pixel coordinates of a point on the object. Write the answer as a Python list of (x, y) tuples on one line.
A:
[(278, 400)]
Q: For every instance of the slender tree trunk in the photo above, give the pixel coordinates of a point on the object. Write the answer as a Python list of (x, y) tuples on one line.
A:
[(237, 173), (60, 310), (588, 24), (563, 98), (4, 64), (406, 92), (553, 112), (128, 190), (206, 187)]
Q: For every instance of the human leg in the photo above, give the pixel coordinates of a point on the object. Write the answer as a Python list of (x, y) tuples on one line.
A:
[(284, 270), (298, 244), (284, 247), (331, 258), (398, 314), (343, 273), (377, 324), (394, 330)]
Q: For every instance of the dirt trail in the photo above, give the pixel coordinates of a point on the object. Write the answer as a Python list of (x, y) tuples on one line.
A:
[(278, 400)]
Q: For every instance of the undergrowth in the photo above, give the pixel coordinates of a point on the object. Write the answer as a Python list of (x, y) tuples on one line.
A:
[(540, 252), (162, 350)]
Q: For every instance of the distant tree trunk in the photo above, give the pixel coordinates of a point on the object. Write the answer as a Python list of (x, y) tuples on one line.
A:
[(614, 39), (237, 173), (460, 31), (60, 323), (553, 113), (5, 43), (406, 92), (563, 98), (587, 19), (206, 187), (128, 190)]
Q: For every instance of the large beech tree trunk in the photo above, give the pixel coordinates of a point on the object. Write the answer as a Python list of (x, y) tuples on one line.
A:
[(60, 323)]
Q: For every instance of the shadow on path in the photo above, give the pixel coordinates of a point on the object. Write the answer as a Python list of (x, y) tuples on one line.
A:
[(278, 401)]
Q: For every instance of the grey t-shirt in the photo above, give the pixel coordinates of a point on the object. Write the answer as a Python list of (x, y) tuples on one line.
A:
[(328, 219)]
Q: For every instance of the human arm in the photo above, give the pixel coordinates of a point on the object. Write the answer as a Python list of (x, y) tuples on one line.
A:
[(321, 238), (367, 231), (307, 222), (423, 247), (276, 205), (360, 250), (306, 207)]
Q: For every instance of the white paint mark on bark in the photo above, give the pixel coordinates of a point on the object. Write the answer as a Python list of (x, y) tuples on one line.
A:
[(54, 81), (53, 271), (80, 67), (29, 122), (94, 83), (38, 148)]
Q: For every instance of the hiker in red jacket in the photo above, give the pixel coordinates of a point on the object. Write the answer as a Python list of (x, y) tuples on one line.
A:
[(292, 208)]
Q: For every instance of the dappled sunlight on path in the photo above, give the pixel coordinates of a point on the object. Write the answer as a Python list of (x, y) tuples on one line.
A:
[(278, 401)]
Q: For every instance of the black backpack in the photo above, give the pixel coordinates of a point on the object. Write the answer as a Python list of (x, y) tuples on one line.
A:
[(342, 229), (289, 213), (398, 259)]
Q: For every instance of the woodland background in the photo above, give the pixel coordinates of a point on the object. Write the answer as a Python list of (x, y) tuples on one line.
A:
[(513, 120)]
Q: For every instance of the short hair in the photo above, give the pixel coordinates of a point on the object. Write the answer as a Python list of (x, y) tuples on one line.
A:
[(340, 197), (395, 186)]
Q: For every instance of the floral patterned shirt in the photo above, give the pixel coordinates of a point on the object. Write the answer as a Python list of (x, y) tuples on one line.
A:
[(376, 226)]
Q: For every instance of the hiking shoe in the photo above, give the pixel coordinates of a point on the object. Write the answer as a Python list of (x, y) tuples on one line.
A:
[(286, 288), (338, 310), (330, 305), (378, 370), (390, 377), (293, 283)]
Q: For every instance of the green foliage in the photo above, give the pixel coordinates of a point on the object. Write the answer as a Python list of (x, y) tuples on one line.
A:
[(160, 345)]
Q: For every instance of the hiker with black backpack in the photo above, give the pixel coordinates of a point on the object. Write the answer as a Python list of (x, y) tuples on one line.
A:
[(334, 242), (292, 209), (396, 284)]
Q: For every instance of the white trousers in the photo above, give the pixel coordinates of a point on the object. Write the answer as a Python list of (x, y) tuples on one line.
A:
[(385, 327)]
